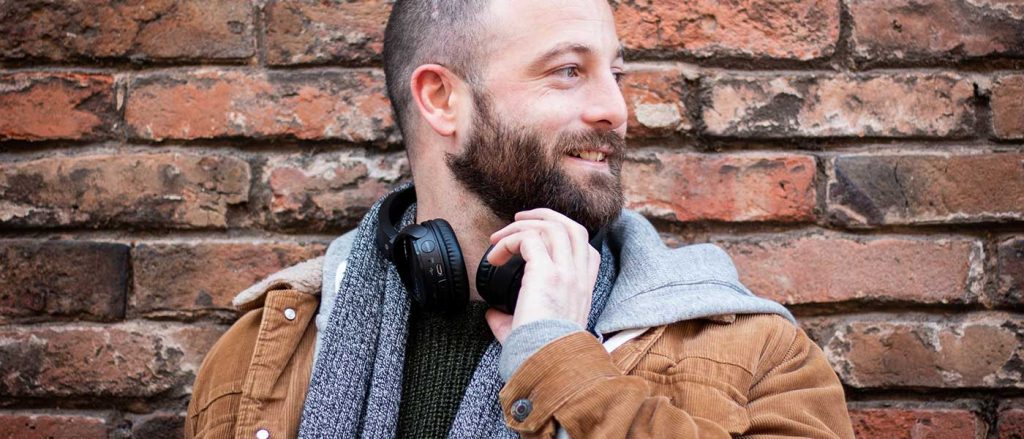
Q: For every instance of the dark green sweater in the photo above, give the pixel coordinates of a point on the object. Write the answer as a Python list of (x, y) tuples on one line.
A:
[(440, 356)]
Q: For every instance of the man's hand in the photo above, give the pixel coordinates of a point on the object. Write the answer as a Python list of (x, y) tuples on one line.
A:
[(561, 269)]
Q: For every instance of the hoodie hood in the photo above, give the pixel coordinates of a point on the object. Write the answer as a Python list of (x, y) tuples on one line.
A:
[(657, 285)]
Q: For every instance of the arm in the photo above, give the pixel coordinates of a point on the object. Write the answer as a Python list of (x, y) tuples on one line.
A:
[(799, 395), (572, 382)]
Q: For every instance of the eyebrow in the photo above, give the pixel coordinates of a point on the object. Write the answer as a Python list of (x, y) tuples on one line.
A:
[(558, 50)]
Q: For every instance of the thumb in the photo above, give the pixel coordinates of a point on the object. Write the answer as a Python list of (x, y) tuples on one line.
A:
[(500, 323)]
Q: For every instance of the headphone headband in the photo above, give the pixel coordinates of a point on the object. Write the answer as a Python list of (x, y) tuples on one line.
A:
[(390, 213)]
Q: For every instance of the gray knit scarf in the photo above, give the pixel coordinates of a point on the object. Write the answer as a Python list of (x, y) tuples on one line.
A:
[(357, 378)]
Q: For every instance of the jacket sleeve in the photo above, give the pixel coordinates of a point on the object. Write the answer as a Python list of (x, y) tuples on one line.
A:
[(572, 383)]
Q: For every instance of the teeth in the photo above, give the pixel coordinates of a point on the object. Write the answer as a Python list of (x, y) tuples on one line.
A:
[(593, 156)]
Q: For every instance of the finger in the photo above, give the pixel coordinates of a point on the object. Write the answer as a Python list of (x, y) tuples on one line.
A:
[(579, 238), (557, 240), (594, 267), (527, 244), (500, 324)]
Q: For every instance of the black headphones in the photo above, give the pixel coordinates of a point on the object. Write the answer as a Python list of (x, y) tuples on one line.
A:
[(430, 263)]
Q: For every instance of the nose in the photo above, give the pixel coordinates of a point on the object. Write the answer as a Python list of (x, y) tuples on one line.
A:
[(606, 107)]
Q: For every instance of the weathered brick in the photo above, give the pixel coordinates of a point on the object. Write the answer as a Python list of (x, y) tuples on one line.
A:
[(133, 189), (917, 423), (328, 191), (840, 105), (1010, 272), (977, 350), (159, 425), (792, 30), (655, 99), (138, 30), (869, 190), (1011, 420), (211, 103), (305, 32), (929, 30), (709, 187), (59, 425), (190, 277), (135, 359), (1008, 107), (830, 268), (85, 279), (41, 106)]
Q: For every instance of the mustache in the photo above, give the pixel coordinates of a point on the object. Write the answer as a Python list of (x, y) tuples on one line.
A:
[(579, 141)]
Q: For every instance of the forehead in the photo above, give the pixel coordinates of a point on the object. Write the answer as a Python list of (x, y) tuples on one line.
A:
[(521, 30)]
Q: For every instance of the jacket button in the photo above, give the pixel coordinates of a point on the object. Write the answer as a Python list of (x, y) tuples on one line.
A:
[(263, 434), (289, 314), (521, 409)]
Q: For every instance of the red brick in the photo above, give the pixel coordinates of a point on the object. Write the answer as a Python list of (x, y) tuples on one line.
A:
[(328, 191), (928, 30), (211, 103), (57, 425), (869, 190), (137, 30), (964, 351), (134, 189), (737, 187), (830, 268), (840, 105), (191, 277), (1010, 272), (1008, 107), (130, 360), (41, 106), (1011, 420), (305, 32), (901, 423), (792, 30), (53, 278), (160, 425), (655, 98)]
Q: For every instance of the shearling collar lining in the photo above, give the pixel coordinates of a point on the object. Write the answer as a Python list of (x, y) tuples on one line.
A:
[(304, 277)]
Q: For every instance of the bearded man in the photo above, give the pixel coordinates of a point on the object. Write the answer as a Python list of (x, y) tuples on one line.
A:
[(514, 124)]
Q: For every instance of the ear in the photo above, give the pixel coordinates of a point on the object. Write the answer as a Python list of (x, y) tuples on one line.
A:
[(434, 91)]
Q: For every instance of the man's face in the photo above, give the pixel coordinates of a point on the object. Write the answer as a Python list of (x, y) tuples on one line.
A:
[(549, 118)]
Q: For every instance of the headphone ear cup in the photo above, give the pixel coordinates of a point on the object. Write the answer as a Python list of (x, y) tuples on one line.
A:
[(452, 294), (499, 285)]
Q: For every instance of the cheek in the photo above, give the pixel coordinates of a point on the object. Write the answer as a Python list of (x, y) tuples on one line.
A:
[(548, 115)]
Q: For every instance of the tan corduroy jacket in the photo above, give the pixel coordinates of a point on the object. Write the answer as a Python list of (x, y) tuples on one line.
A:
[(748, 375)]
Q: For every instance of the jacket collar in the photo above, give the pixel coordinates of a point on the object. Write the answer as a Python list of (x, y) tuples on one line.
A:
[(304, 277)]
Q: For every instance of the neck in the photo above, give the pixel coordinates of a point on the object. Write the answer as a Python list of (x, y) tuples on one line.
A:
[(472, 222)]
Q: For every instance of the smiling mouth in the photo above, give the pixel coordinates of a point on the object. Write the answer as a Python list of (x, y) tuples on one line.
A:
[(590, 155)]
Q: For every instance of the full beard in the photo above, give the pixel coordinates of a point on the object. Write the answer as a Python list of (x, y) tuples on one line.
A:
[(509, 169)]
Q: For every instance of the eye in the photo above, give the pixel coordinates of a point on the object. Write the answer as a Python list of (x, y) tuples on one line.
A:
[(568, 72), (619, 76)]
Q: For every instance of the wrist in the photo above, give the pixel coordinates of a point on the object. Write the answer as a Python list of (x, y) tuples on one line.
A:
[(527, 339)]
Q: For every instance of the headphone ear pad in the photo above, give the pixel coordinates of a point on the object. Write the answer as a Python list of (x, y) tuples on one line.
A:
[(456, 295)]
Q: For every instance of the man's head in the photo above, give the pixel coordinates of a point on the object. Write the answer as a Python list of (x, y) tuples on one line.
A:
[(518, 99)]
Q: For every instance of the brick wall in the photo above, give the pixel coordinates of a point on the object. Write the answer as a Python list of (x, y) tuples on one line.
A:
[(861, 160)]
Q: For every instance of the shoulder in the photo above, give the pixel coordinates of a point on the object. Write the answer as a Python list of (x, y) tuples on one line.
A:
[(219, 381), (276, 335), (748, 340)]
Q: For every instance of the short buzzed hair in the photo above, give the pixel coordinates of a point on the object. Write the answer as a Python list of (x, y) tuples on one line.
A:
[(445, 32)]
